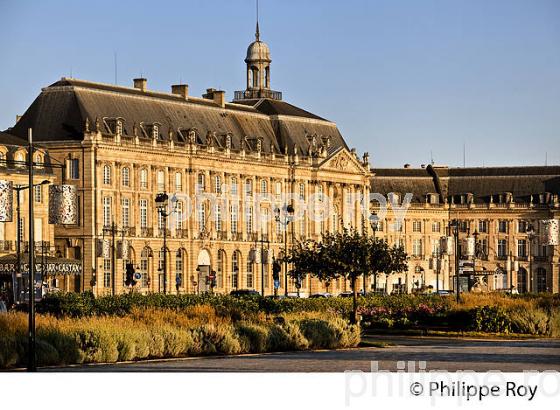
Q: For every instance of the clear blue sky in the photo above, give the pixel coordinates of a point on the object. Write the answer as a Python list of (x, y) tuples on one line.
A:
[(400, 78)]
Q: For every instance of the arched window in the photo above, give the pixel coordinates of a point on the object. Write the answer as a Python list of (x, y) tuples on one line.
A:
[(264, 186), (19, 158), (2, 159), (178, 182), (107, 175), (541, 280), (220, 268), (144, 178), (248, 187), (125, 177), (235, 269), (200, 183), (160, 181)]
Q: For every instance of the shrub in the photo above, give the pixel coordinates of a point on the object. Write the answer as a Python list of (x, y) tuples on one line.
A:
[(256, 336), (534, 322)]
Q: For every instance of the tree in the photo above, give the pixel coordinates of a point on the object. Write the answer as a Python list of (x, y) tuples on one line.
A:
[(347, 254)]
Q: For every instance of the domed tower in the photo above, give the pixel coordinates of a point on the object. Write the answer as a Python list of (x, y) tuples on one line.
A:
[(258, 72)]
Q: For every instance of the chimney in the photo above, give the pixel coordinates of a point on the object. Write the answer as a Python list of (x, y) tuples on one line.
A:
[(218, 96), (180, 89), (140, 84)]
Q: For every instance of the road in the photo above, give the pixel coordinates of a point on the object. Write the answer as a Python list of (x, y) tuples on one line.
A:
[(438, 353)]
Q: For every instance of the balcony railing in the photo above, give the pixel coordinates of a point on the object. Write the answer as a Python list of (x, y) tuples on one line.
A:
[(181, 233), (236, 236), (221, 235), (146, 232), (5, 246), (251, 94)]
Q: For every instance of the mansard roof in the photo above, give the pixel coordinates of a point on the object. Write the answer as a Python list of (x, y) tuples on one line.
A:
[(482, 182), (61, 110)]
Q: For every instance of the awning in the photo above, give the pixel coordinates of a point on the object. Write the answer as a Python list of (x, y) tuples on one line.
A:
[(52, 265)]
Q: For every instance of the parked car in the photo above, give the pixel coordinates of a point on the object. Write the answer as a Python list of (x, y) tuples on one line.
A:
[(320, 295), (277, 297), (442, 292), (346, 294), (244, 292)]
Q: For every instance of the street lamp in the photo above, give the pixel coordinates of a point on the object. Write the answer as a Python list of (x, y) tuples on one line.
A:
[(288, 212), (374, 222), (531, 236), (162, 204), (454, 229)]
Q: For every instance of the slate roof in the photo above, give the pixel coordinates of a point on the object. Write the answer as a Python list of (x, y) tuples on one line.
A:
[(9, 139), (483, 182), (60, 111)]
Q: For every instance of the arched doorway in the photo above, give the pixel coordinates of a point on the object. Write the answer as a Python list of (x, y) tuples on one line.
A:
[(203, 270), (522, 280), (541, 280)]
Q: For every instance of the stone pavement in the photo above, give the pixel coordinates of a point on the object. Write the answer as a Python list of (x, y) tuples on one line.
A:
[(439, 353)]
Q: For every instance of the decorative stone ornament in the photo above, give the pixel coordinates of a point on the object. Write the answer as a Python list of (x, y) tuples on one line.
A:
[(551, 232), (6, 201), (63, 204)]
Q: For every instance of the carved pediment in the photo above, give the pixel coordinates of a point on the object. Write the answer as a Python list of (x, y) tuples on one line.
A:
[(343, 161)]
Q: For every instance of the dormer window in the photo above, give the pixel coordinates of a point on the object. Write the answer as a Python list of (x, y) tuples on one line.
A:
[(114, 126), (151, 130)]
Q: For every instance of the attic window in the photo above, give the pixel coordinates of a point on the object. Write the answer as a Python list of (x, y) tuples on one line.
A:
[(114, 126)]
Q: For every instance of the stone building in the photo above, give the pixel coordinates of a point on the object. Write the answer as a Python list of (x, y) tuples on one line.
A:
[(13, 157), (501, 208), (229, 170), (123, 146)]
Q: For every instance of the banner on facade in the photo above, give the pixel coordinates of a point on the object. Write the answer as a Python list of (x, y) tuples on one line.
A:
[(6, 201), (551, 232)]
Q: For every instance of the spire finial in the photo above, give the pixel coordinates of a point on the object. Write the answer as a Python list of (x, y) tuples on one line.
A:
[(257, 33)]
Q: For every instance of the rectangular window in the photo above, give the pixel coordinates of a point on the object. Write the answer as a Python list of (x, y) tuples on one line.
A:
[(436, 227), (502, 226), (302, 191), (38, 194), (218, 184), (522, 226), (416, 226), (234, 218), (278, 190), (144, 179), (201, 218), (249, 220), (107, 214), (73, 169), (234, 190), (125, 212), (249, 274), (483, 226), (502, 248), (179, 216), (178, 182), (107, 273), (143, 213), (218, 217), (522, 248), (398, 225), (417, 247)]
